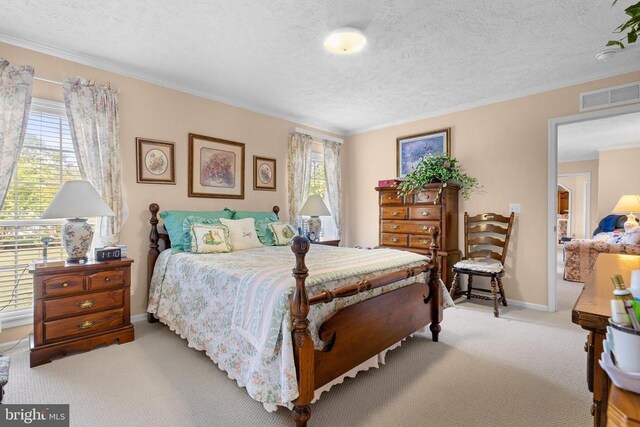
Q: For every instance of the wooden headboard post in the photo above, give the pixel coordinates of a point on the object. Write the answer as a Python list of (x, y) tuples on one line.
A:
[(154, 238)]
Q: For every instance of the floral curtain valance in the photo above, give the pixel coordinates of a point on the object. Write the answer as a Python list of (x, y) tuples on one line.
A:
[(16, 86), (92, 111)]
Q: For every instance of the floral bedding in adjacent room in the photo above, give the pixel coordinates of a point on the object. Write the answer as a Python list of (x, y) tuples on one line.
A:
[(223, 304)]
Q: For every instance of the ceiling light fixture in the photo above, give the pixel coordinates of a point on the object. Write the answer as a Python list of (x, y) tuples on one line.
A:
[(606, 54), (345, 41)]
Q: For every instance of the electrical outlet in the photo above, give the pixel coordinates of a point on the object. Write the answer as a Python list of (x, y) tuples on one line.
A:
[(514, 208)]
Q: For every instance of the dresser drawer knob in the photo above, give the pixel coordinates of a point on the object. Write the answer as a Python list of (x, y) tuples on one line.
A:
[(393, 226), (86, 304), (424, 227), (394, 213), (64, 285), (425, 241), (394, 239), (86, 324), (424, 213), (107, 279)]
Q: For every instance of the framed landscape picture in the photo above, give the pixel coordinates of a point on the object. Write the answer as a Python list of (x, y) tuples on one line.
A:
[(216, 168), (264, 173), (410, 150), (155, 161)]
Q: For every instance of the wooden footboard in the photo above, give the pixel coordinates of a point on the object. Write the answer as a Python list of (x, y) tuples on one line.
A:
[(359, 331)]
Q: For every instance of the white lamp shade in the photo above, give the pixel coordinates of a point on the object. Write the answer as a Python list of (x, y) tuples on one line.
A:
[(628, 203), (314, 206), (77, 199)]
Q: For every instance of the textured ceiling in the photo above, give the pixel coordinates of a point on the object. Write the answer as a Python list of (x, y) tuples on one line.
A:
[(583, 140), (422, 57)]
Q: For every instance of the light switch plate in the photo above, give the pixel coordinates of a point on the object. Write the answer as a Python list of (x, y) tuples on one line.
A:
[(514, 208)]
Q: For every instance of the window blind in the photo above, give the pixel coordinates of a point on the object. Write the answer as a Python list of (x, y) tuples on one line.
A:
[(46, 161)]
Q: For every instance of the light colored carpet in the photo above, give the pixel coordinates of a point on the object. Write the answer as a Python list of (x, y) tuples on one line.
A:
[(526, 368)]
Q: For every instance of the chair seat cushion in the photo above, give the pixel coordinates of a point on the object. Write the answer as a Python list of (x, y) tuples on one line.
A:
[(484, 266)]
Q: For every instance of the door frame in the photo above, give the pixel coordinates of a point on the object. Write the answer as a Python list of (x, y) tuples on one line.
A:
[(552, 181)]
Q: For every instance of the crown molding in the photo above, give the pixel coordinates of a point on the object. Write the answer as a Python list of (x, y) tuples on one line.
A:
[(106, 65)]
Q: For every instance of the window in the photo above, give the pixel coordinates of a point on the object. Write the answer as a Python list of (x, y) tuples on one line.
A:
[(318, 185), (46, 161)]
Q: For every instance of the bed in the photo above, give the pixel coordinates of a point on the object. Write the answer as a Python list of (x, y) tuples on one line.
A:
[(287, 336)]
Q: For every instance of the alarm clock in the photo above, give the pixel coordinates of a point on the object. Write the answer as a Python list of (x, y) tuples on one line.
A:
[(108, 254)]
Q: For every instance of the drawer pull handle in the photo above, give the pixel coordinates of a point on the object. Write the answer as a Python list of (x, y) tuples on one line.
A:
[(425, 241), (394, 213), (393, 226), (424, 213), (394, 239), (86, 304), (64, 285), (107, 279), (424, 227), (86, 324)]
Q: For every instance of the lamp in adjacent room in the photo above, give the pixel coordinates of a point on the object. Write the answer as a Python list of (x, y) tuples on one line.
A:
[(628, 204), (75, 201), (315, 208)]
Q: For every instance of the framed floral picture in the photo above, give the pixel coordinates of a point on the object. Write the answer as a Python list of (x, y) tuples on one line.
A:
[(264, 173), (156, 161), (410, 150), (216, 168)]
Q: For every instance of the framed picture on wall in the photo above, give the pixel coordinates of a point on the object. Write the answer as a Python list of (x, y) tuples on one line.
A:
[(264, 173), (155, 161), (410, 150), (216, 168)]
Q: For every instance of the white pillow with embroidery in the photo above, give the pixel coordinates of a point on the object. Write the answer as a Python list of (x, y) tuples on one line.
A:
[(631, 237), (209, 238), (243, 233), (282, 233)]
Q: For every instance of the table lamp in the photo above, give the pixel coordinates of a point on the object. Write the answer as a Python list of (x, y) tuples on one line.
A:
[(74, 200), (314, 207), (628, 204)]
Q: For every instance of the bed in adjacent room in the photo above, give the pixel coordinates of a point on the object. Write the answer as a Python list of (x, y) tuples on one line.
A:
[(288, 337)]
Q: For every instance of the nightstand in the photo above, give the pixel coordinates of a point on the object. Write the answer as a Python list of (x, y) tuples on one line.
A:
[(78, 307), (327, 242)]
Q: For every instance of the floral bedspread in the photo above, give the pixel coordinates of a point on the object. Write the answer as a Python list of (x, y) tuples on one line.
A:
[(220, 302)]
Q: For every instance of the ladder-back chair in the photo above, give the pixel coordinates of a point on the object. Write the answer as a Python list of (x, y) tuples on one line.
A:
[(486, 240)]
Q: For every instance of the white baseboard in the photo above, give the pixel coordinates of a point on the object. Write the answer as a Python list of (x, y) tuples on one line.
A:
[(529, 305), (139, 318)]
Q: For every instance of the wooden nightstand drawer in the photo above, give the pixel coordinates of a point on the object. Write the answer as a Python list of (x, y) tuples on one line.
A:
[(77, 305), (82, 325), (106, 279), (63, 284)]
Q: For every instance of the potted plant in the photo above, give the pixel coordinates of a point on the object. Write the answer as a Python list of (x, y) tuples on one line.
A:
[(630, 28), (438, 169)]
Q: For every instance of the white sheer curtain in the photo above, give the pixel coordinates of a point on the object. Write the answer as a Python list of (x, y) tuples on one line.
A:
[(16, 85), (333, 174), (92, 111), (298, 172)]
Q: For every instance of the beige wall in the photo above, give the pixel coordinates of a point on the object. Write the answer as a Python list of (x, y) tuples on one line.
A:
[(590, 167), (619, 174), (505, 146), (151, 111)]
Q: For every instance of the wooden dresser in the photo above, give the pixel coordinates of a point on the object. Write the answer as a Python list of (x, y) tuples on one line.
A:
[(80, 306), (405, 219), (592, 311)]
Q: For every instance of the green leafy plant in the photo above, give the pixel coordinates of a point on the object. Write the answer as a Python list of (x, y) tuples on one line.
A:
[(631, 27), (442, 169)]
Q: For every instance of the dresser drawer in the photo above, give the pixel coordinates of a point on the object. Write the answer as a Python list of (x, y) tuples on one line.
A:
[(426, 196), (425, 212), (391, 198), (392, 239), (392, 212), (106, 279), (63, 284), (420, 242), (77, 305), (82, 325), (410, 227)]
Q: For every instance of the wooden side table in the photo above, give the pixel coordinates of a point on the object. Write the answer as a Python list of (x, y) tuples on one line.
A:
[(78, 307), (328, 242), (623, 408)]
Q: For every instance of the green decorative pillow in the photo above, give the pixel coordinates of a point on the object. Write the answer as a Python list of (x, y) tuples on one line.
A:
[(264, 233), (255, 215), (282, 233), (208, 238), (173, 223), (186, 228)]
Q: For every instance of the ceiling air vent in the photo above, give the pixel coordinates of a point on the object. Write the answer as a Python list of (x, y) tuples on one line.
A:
[(610, 97)]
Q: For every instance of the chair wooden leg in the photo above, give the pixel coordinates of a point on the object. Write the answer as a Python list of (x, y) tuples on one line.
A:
[(469, 285), (454, 285), (494, 293), (501, 289)]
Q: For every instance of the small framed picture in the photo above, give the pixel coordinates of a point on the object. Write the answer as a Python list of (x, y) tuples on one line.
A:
[(264, 173), (410, 150), (216, 168), (156, 161)]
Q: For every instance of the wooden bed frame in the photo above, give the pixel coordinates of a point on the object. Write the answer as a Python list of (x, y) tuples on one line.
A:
[(355, 333)]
